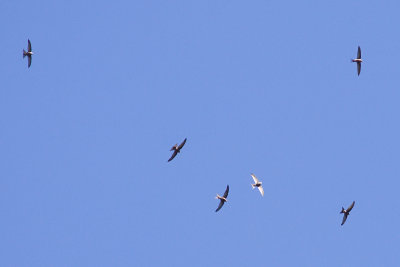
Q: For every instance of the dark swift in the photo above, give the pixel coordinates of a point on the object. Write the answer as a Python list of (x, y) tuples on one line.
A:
[(28, 53), (176, 149), (346, 212)]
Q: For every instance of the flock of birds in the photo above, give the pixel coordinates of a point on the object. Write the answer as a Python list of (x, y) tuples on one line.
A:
[(257, 183), (177, 148)]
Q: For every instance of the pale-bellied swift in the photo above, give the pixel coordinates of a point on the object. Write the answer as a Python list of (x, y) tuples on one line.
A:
[(358, 60), (257, 184), (222, 199)]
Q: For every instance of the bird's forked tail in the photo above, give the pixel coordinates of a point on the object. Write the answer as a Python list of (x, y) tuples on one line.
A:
[(23, 53), (342, 210), (252, 185)]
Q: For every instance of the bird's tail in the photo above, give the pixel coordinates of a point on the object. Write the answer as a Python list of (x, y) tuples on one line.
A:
[(252, 185), (352, 60), (23, 53), (342, 210)]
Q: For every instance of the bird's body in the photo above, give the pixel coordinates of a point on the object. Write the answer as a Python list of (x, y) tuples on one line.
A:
[(358, 60), (28, 53), (257, 184), (176, 149), (222, 199), (346, 212)]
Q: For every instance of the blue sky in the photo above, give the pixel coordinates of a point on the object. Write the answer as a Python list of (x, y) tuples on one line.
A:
[(262, 87)]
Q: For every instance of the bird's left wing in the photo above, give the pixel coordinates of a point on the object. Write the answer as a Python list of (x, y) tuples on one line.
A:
[(173, 155), (351, 206), (359, 53), (29, 46), (221, 203), (358, 68)]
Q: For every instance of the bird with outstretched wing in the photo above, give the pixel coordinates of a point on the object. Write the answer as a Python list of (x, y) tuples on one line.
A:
[(222, 199), (257, 184), (28, 53), (176, 149), (346, 212)]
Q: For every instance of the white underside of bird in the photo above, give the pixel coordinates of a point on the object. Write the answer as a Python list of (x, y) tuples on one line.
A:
[(221, 198), (257, 184)]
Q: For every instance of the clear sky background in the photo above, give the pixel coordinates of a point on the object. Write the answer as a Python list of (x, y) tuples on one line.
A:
[(262, 87)]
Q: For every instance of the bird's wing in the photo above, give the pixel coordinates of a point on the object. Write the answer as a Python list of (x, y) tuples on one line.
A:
[(254, 178), (226, 191), (358, 68), (221, 203), (182, 144), (29, 46), (29, 60), (351, 206), (261, 190), (173, 155), (359, 53), (344, 218)]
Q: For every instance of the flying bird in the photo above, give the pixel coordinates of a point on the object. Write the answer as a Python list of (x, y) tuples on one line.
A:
[(257, 184), (222, 199), (176, 149), (358, 60), (347, 212), (28, 54)]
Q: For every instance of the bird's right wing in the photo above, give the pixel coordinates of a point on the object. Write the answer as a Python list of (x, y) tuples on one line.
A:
[(173, 155), (254, 178), (344, 218), (261, 190), (359, 53), (358, 68), (221, 203), (29, 60), (226, 191)]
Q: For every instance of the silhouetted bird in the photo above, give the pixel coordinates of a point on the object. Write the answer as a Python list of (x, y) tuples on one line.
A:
[(347, 212), (28, 54), (176, 149), (358, 60), (257, 184), (222, 199)]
